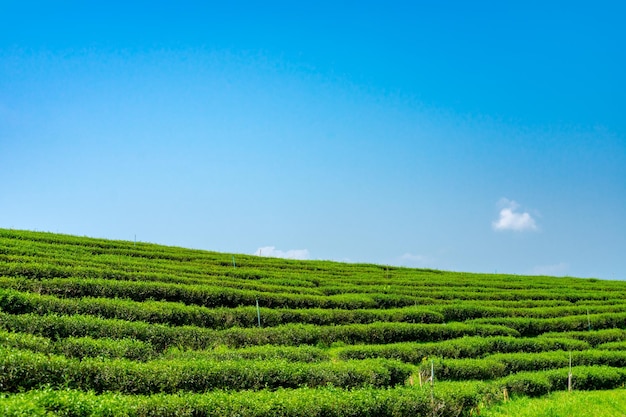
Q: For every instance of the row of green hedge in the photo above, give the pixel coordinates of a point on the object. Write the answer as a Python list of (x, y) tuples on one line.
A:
[(500, 365), (203, 295), (593, 337), (466, 347), (24, 370), (178, 314), (452, 399), (161, 336), (126, 268), (469, 311), (87, 347), (529, 327), (80, 347)]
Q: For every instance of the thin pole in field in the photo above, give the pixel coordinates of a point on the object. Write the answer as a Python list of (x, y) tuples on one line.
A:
[(432, 385), (432, 373), (569, 375), (588, 320), (258, 312), (234, 264)]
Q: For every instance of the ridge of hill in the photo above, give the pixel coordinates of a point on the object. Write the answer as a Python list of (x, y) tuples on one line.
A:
[(102, 327)]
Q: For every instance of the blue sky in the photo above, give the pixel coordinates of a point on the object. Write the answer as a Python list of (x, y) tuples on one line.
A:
[(467, 136)]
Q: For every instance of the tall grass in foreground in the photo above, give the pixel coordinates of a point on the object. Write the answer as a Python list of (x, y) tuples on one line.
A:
[(564, 404)]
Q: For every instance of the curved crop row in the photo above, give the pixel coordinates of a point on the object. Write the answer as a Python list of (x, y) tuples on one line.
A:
[(500, 365), (119, 268), (24, 370), (448, 399), (203, 295), (529, 327), (470, 311), (451, 400), (161, 336), (79, 347), (467, 347), (177, 314), (87, 347), (593, 337)]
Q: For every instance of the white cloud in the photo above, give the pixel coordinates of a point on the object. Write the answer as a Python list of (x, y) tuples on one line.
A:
[(551, 270), (511, 219), (272, 252), (413, 260)]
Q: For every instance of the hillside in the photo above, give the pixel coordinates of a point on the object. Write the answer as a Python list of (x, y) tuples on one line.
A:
[(101, 327)]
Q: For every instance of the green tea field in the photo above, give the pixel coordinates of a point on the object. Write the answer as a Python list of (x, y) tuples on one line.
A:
[(93, 327)]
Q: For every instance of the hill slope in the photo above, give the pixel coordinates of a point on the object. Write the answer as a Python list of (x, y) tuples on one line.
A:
[(100, 327)]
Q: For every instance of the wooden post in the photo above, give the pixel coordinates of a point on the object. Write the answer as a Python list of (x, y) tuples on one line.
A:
[(432, 386), (258, 312), (569, 374), (432, 373)]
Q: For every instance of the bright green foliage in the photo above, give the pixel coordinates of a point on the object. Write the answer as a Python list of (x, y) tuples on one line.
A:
[(111, 328), (466, 347), (23, 370), (500, 365), (303, 402), (565, 404)]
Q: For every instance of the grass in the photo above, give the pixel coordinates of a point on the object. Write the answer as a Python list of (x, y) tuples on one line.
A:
[(610, 403)]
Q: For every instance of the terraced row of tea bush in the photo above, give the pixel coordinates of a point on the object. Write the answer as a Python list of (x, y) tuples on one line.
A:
[(101, 327)]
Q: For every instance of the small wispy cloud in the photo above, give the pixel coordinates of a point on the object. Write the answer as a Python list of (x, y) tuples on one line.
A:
[(272, 252), (512, 219), (414, 260), (551, 270)]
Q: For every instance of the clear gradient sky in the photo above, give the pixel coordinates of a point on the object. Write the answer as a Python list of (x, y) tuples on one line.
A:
[(469, 136)]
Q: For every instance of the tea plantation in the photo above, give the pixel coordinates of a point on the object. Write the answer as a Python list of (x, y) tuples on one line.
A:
[(93, 327)]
